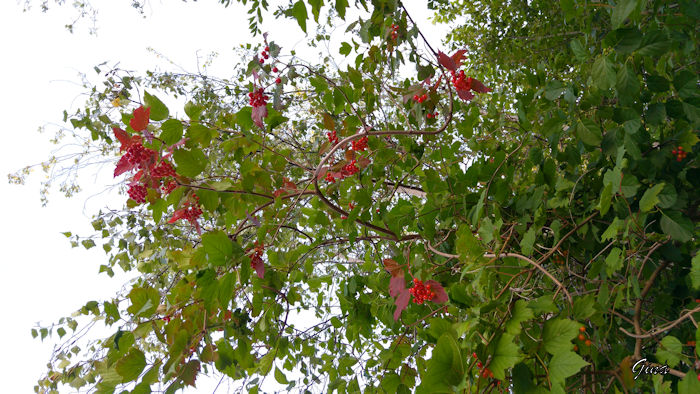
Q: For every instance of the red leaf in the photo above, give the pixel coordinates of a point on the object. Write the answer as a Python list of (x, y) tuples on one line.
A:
[(401, 303), (458, 56), (259, 266), (447, 61), (278, 192), (123, 137), (397, 284), (440, 295), (123, 166), (289, 185), (189, 372), (393, 267), (465, 95), (177, 215), (258, 114), (140, 119), (477, 86)]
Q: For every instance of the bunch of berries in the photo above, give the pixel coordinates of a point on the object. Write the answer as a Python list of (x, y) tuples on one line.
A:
[(169, 187), (350, 169), (137, 192), (264, 55), (460, 81), (360, 145), (421, 292), (420, 98), (431, 115), (192, 212), (583, 338), (329, 177), (332, 137), (163, 169), (138, 155), (257, 98), (484, 372), (394, 31), (679, 153)]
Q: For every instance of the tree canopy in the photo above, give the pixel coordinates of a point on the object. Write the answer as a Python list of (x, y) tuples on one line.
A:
[(514, 209)]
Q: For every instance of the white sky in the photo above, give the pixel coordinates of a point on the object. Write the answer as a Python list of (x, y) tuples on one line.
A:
[(45, 278)]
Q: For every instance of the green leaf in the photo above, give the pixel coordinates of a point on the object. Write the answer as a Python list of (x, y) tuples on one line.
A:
[(467, 246), (614, 261), (279, 377), (345, 49), (130, 366), (605, 197), (528, 241), (315, 9), (520, 313), (622, 10), (445, 366), (579, 50), (522, 379), (565, 364), (589, 132), (678, 226), (200, 134), (654, 43), (584, 307), (143, 301), (695, 273), (158, 110), (219, 247), (669, 351), (650, 198), (299, 12), (505, 356), (193, 110), (627, 82), (340, 6), (88, 243), (171, 131), (557, 335), (190, 163), (689, 384), (603, 74)]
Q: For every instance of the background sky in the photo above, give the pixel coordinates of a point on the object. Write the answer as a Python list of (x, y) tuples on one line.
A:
[(45, 278)]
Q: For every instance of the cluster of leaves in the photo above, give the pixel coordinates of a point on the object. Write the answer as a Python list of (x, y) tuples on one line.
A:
[(550, 202)]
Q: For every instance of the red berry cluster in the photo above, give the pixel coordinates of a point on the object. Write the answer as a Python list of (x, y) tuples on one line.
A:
[(350, 169), (351, 206), (420, 98), (484, 372), (332, 137), (329, 177), (394, 31), (460, 82), (582, 338), (264, 55), (360, 145), (421, 292), (192, 212), (169, 187), (257, 98), (679, 153), (431, 115), (163, 169), (137, 192), (138, 155)]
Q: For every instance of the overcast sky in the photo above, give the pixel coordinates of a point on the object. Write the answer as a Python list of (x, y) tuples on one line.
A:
[(45, 278)]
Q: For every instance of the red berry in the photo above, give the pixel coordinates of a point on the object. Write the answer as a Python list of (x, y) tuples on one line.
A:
[(267, 49), (474, 355), (479, 365), (581, 337), (588, 342), (278, 81), (415, 98), (274, 69), (582, 329), (424, 97), (261, 60)]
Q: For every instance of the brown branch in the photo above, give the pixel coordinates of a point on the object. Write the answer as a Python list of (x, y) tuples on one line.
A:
[(638, 308)]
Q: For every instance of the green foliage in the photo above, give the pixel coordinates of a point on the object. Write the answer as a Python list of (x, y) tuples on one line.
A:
[(554, 211)]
